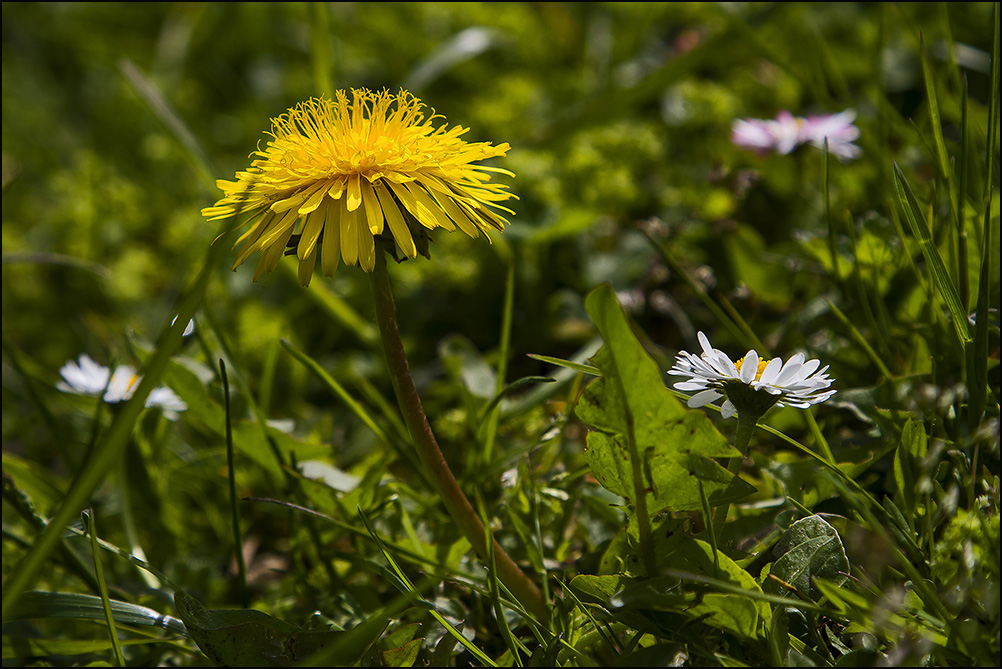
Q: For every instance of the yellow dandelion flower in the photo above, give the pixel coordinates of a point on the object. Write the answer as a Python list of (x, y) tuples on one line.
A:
[(340, 177)]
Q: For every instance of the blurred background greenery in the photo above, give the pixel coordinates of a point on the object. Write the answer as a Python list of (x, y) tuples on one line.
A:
[(618, 115)]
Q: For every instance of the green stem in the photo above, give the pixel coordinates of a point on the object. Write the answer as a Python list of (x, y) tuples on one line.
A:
[(456, 502), (746, 425)]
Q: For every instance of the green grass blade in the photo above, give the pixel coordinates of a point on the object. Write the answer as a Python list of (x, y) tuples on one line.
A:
[(320, 49), (737, 327), (942, 158), (109, 616), (353, 405), (576, 366), (963, 276), (940, 276), (494, 590), (337, 308), (512, 387), (991, 180), (162, 109), (231, 475), (977, 355), (416, 595), (504, 351), (858, 337), (72, 605)]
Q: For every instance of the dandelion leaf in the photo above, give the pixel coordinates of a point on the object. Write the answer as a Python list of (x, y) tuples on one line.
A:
[(247, 637), (675, 444), (703, 600)]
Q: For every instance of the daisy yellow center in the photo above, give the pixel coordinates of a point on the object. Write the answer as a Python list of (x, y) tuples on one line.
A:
[(338, 173), (758, 372)]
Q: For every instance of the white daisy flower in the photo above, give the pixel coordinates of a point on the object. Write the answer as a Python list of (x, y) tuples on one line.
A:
[(798, 383), (86, 377), (83, 378)]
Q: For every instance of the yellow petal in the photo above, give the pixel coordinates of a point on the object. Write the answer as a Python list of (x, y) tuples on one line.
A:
[(272, 254), (366, 247), (421, 211), (312, 228), (354, 192), (398, 227), (278, 229), (331, 251), (349, 233), (456, 213), (337, 188), (306, 266), (314, 196), (373, 212)]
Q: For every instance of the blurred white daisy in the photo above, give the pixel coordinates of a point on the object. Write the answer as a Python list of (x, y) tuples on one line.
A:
[(787, 132), (86, 377), (750, 384)]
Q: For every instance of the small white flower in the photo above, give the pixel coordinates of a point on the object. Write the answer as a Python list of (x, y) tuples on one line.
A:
[(786, 132), (168, 402), (86, 377), (837, 129), (83, 378), (798, 383)]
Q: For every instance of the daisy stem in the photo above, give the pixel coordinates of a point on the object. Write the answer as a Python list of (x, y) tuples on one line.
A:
[(456, 502), (742, 438)]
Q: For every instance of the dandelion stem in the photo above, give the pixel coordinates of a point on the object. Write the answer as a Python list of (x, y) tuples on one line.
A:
[(458, 505)]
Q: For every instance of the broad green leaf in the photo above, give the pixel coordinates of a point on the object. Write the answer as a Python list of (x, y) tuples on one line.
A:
[(675, 444), (247, 637), (810, 549), (681, 552), (404, 656), (624, 595)]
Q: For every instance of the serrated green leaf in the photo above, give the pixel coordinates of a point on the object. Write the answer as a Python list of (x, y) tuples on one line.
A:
[(675, 444), (247, 637)]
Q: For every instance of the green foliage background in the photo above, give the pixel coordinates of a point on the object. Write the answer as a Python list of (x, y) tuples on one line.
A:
[(619, 118)]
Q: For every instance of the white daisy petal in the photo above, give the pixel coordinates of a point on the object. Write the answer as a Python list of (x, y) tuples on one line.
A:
[(790, 369), (686, 386), (703, 398), (809, 368), (705, 343), (796, 383), (771, 371), (84, 377), (749, 368)]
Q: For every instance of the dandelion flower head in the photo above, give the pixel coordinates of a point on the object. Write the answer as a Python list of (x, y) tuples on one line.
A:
[(797, 383), (338, 175)]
